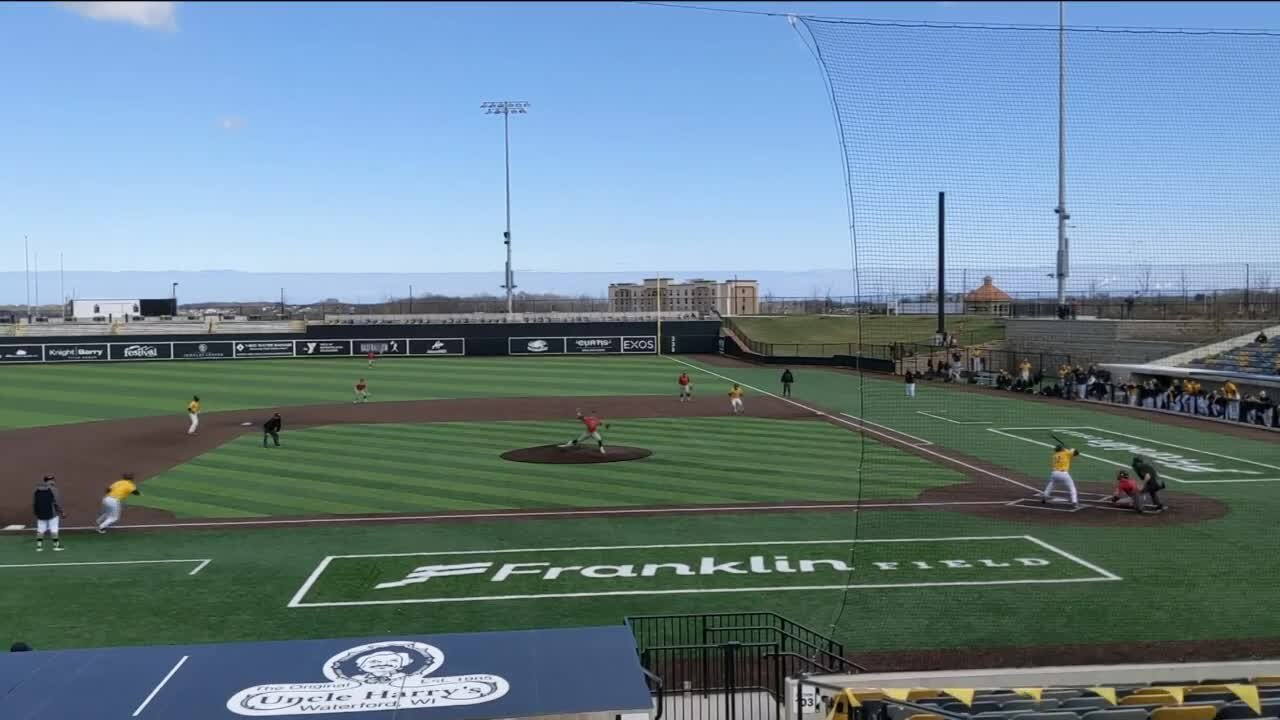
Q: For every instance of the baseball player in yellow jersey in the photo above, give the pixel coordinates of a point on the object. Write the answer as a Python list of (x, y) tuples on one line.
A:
[(1061, 473), (113, 501), (193, 412), (735, 399)]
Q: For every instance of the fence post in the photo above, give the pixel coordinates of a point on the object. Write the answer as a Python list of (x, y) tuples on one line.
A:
[(730, 680)]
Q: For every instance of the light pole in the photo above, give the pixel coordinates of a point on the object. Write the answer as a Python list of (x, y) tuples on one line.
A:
[(507, 108), (174, 294), (1064, 254)]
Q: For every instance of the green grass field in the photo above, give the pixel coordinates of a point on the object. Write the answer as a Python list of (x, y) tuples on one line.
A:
[(926, 577), (875, 330)]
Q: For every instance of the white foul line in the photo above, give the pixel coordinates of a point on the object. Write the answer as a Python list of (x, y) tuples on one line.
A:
[(920, 442), (694, 510), (1105, 573), (953, 422), (863, 428), (202, 562), (166, 679)]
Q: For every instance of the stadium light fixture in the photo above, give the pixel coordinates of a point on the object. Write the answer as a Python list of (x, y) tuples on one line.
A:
[(507, 108)]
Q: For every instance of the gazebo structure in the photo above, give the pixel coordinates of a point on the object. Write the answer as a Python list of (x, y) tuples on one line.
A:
[(987, 300)]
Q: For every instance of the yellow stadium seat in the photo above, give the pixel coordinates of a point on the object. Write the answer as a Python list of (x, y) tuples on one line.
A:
[(925, 716), (1192, 712), (1199, 689)]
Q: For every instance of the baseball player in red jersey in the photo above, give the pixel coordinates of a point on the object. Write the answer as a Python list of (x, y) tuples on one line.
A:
[(686, 387), (591, 429), (362, 392), (372, 357)]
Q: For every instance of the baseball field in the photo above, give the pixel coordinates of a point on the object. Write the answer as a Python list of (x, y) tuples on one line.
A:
[(399, 515)]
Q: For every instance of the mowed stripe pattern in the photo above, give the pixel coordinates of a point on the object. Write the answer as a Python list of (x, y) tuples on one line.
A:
[(368, 469), (34, 395)]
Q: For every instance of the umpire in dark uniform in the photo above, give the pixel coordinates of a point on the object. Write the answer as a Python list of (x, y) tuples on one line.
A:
[(271, 428), (1151, 484)]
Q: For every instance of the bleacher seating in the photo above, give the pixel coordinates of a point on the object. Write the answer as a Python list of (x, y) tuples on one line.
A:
[(1254, 359), (1215, 699)]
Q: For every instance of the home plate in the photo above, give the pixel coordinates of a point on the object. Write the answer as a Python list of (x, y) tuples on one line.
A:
[(245, 424), (14, 527)]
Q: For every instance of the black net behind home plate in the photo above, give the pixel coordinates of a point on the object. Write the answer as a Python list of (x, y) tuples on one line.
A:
[(1171, 187)]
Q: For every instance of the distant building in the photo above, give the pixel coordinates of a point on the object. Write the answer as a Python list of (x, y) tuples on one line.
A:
[(119, 309), (988, 300), (735, 297)]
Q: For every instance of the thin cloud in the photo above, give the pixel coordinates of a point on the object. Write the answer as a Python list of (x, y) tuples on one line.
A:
[(231, 123), (150, 15)]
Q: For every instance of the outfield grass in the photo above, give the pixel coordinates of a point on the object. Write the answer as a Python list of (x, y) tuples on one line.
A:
[(55, 394), (363, 469), (1210, 581), (875, 329)]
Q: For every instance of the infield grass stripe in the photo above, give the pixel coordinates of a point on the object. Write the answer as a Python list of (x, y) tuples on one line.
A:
[(342, 473), (401, 493), (161, 500), (217, 498), (587, 493), (245, 496), (447, 456)]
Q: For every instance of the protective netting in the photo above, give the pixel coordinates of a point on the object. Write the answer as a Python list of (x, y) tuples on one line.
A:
[(1172, 154), (1171, 180)]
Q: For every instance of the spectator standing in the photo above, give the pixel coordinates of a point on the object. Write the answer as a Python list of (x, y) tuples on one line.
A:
[(1262, 337), (1232, 395), (910, 378), (1024, 370)]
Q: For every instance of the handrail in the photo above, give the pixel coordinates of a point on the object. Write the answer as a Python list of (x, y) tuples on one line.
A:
[(661, 696)]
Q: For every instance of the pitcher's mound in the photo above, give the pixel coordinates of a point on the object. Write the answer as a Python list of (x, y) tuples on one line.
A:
[(556, 455)]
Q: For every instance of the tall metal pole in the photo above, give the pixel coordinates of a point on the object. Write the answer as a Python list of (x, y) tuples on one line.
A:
[(36, 262), (505, 108), (26, 259), (62, 280), (410, 299), (942, 264), (1061, 210), (506, 156)]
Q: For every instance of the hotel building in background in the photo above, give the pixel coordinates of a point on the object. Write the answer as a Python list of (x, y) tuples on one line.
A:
[(734, 297)]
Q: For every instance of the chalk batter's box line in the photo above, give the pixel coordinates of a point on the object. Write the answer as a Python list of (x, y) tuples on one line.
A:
[(1100, 574), (1008, 432)]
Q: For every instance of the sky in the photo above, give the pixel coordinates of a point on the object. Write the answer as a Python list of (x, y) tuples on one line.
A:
[(344, 137)]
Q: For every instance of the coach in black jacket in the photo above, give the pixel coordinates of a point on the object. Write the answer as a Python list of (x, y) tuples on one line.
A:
[(271, 428)]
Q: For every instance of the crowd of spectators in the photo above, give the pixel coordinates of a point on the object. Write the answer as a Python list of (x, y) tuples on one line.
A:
[(1180, 395)]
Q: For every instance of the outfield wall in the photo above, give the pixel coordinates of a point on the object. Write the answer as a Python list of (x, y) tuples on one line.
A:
[(515, 339)]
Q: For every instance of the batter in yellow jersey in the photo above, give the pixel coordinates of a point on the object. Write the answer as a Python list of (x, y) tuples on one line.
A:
[(1060, 472), (193, 412), (113, 501)]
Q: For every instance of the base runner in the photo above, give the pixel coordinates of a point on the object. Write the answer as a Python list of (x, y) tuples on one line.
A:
[(735, 399), (686, 387), (1060, 472), (113, 502), (362, 392), (46, 502), (591, 431), (193, 413)]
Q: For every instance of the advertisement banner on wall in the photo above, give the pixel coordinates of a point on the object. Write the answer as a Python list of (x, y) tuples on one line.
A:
[(264, 348), (437, 346), (21, 353), (220, 350), (381, 347), (75, 353), (323, 348), (647, 344), (141, 351), (535, 346), (577, 345)]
